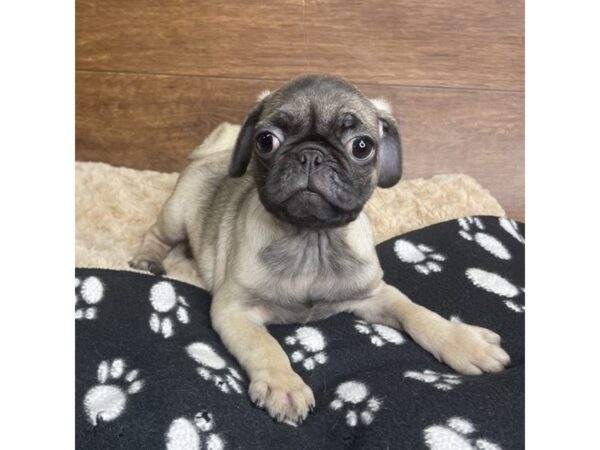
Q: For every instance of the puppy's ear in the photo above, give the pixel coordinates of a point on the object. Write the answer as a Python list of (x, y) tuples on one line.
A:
[(242, 152), (390, 152)]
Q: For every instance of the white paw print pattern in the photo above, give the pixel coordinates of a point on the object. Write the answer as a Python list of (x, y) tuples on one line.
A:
[(423, 258), (498, 285), (196, 434), (441, 381), (214, 368), (379, 335), (165, 302), (88, 293), (107, 400), (456, 434), (312, 345), (353, 397), (472, 230), (511, 227)]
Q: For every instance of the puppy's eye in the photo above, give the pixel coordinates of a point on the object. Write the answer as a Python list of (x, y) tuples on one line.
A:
[(361, 148), (266, 143)]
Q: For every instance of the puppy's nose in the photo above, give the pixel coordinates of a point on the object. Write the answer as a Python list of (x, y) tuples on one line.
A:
[(310, 159)]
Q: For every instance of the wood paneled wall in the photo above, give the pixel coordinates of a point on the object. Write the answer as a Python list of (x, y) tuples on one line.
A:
[(155, 76)]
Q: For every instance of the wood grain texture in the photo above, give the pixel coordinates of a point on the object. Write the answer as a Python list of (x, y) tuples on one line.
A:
[(152, 122), (443, 43)]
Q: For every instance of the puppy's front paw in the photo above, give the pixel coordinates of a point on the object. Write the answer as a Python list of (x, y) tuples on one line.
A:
[(143, 263), (473, 350), (282, 393)]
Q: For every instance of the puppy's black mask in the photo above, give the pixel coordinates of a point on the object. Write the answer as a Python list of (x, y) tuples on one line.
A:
[(319, 148)]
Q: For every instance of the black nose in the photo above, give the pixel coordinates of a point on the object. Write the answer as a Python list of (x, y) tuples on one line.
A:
[(310, 159)]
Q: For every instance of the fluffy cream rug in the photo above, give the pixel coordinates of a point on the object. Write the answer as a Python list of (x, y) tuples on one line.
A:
[(116, 205)]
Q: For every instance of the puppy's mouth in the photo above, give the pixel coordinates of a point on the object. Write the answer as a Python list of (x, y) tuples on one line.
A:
[(308, 195), (321, 198), (310, 201), (308, 208), (308, 192)]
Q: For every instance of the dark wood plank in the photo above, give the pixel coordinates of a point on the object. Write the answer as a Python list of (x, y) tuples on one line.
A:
[(466, 43), (456, 131), (152, 122)]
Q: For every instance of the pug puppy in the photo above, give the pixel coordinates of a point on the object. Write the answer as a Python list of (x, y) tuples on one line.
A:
[(279, 235)]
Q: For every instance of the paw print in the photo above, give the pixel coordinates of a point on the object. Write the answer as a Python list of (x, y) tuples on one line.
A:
[(352, 395), (88, 293), (214, 368), (196, 434), (379, 334), (165, 301), (456, 433), (471, 230), (312, 343), (511, 227), (498, 285), (441, 381), (422, 257), (107, 400)]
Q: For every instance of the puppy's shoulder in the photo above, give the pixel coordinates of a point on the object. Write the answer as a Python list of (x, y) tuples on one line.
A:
[(359, 237), (214, 164)]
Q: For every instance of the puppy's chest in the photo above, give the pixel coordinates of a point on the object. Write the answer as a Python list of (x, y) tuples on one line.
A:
[(311, 270)]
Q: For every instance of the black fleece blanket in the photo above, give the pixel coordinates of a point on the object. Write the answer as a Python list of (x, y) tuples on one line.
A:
[(152, 374)]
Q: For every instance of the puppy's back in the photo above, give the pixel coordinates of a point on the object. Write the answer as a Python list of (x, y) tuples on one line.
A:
[(220, 139), (207, 201)]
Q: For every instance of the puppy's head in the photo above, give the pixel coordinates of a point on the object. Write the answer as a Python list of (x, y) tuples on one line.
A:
[(319, 148)]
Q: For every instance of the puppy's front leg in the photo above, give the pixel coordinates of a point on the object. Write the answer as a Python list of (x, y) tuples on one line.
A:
[(273, 384), (466, 348)]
